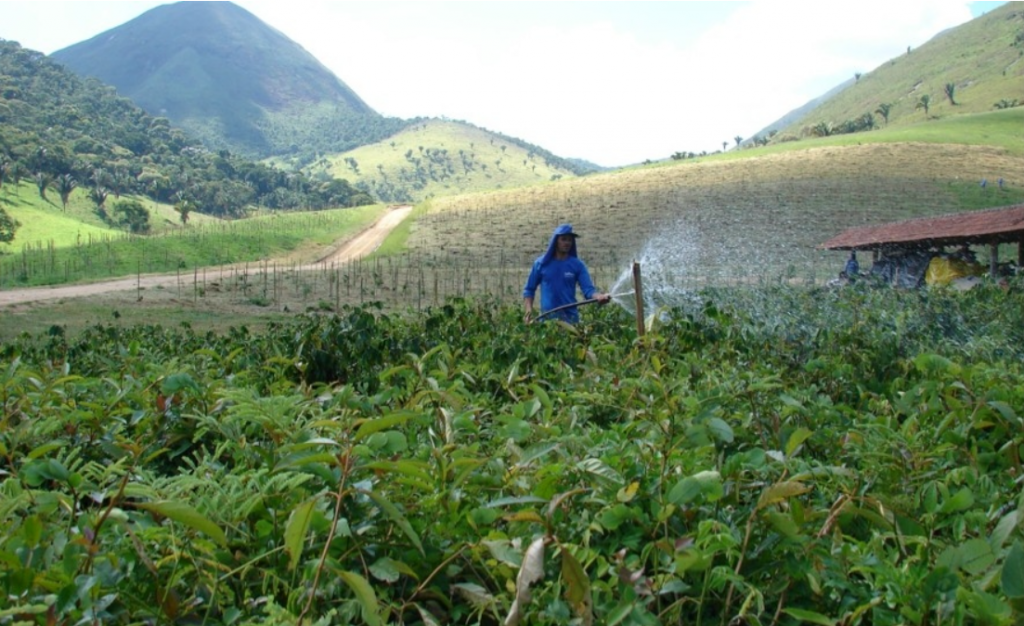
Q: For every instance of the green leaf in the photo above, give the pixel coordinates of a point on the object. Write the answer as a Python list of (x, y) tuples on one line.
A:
[(613, 518), (536, 452), (385, 570), (296, 529), (175, 383), (369, 427), (602, 473), (414, 469), (721, 430), (934, 364), (396, 516), (963, 500), (708, 484), (976, 556), (781, 491), (796, 440), (365, 595), (1004, 409), (24, 609), (1012, 577), (620, 613), (810, 616), (32, 531), (479, 597), (1005, 528), (504, 552), (784, 524), (500, 502), (185, 514), (45, 449)]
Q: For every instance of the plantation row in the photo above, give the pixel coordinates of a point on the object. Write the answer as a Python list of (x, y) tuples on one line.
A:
[(761, 456)]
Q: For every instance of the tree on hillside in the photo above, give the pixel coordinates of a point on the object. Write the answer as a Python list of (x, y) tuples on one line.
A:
[(951, 93), (8, 225), (99, 197), (184, 207), (925, 103), (884, 110), (15, 172), (5, 166), (725, 146), (43, 182), (738, 140), (65, 184), (130, 214), (823, 129)]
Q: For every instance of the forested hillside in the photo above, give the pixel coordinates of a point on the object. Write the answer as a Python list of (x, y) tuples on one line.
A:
[(67, 133)]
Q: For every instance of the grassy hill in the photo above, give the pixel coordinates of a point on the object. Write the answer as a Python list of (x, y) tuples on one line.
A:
[(983, 60), (46, 223), (750, 216), (436, 158)]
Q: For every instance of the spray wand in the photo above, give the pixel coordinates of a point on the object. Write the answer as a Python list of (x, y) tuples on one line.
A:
[(578, 304)]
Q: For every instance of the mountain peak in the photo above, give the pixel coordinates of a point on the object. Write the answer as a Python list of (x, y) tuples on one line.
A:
[(217, 70)]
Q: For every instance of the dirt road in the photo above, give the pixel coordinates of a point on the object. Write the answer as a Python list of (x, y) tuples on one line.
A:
[(359, 246)]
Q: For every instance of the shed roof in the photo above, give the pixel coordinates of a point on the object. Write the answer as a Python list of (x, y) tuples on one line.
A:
[(1004, 225)]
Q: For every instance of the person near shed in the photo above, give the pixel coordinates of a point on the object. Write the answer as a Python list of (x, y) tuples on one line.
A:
[(852, 269), (558, 272)]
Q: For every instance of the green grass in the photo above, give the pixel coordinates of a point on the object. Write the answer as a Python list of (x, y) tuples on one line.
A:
[(397, 240), (275, 236), (1001, 129), (47, 222)]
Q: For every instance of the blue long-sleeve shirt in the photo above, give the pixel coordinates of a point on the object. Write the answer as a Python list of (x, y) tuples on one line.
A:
[(558, 280)]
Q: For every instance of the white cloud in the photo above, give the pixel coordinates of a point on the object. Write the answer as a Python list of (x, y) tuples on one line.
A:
[(597, 91), (578, 79)]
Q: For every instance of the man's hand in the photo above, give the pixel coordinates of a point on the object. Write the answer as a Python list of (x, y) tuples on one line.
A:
[(603, 298)]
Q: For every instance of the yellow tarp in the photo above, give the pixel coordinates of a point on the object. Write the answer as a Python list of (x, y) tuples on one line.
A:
[(943, 271)]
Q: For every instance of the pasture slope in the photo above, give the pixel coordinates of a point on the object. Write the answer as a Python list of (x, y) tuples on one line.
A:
[(759, 216)]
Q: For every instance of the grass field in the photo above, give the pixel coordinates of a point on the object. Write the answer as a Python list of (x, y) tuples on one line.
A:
[(45, 222), (297, 235)]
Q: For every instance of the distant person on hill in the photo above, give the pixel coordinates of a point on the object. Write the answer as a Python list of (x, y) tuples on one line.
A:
[(558, 272), (852, 269)]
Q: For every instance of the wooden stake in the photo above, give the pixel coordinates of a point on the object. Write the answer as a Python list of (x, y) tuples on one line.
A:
[(639, 294)]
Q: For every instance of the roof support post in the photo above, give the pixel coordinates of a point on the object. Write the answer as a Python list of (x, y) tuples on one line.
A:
[(993, 263)]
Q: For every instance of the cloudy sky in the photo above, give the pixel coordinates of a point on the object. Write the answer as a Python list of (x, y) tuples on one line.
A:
[(614, 83)]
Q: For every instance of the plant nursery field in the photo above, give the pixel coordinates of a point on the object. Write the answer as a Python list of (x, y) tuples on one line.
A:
[(770, 455)]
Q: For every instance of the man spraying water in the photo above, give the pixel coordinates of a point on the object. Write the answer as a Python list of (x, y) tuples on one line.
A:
[(558, 272)]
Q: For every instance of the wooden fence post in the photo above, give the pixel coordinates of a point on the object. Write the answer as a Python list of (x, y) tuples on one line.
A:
[(639, 295)]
